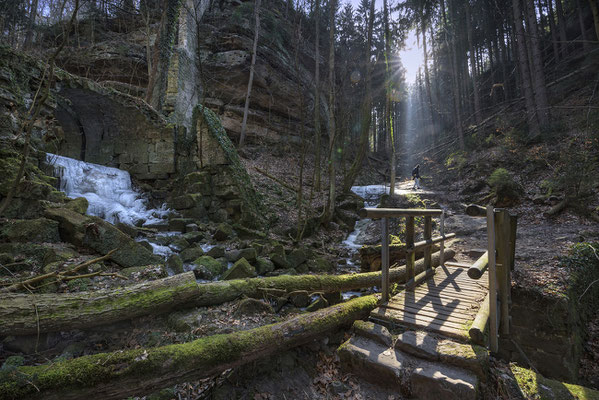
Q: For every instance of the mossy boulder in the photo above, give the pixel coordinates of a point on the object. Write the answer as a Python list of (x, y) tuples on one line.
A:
[(208, 268), (298, 256), (240, 270), (216, 252), (223, 232), (300, 298), (39, 230), (317, 304), (191, 253), (175, 263), (535, 386), (249, 254), (80, 205), (280, 261), (264, 265), (101, 236)]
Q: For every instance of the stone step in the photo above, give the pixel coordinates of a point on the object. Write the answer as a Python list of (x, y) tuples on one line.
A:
[(433, 347), (410, 376)]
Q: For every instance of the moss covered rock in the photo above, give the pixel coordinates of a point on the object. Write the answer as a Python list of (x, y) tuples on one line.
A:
[(80, 205), (191, 253), (208, 268), (223, 232), (39, 230), (264, 265), (241, 269), (253, 306), (175, 263)]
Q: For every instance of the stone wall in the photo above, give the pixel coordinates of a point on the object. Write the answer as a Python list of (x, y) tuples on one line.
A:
[(100, 129), (547, 331)]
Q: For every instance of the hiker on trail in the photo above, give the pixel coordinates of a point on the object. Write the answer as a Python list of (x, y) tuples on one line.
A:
[(416, 176)]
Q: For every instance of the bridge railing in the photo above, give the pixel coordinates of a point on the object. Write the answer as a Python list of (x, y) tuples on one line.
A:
[(499, 261), (425, 245)]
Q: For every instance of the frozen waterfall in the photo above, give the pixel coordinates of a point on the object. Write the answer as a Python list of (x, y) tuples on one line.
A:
[(108, 191)]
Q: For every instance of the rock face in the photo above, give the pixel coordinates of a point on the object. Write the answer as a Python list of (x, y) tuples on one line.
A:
[(225, 49)]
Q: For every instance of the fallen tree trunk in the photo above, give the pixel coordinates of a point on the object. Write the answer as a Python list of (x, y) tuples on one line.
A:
[(24, 314), (137, 372)]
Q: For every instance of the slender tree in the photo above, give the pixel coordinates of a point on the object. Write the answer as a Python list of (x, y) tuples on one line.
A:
[(252, 68), (537, 67)]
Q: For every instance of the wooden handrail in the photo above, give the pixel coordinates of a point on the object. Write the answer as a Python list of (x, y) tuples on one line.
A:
[(398, 212), (479, 267), (427, 243)]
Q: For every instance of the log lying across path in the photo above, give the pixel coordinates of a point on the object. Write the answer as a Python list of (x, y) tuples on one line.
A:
[(25, 314), (136, 372)]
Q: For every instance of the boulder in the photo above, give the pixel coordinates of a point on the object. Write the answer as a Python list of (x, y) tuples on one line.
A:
[(80, 205), (216, 252), (249, 254), (193, 236), (175, 263), (264, 265), (300, 298), (297, 257), (280, 261), (240, 270), (320, 264), (191, 253), (100, 236), (179, 224), (128, 229), (317, 304), (208, 267), (39, 230), (223, 232)]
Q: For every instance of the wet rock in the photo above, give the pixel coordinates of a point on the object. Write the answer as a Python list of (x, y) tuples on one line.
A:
[(182, 202), (128, 229), (40, 230), (300, 298), (191, 253), (80, 205), (317, 304), (146, 244), (241, 269), (264, 265), (223, 232), (216, 252), (179, 243), (148, 272), (208, 267), (253, 306), (333, 297), (101, 236), (175, 263), (191, 228)]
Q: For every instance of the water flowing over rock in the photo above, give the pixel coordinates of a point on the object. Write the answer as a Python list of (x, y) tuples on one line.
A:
[(108, 191)]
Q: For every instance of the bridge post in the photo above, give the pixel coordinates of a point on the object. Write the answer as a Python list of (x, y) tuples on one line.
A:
[(442, 244), (493, 331), (428, 250), (410, 255), (385, 259), (503, 235)]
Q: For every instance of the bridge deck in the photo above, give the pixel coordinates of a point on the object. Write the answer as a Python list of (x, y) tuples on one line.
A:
[(446, 303)]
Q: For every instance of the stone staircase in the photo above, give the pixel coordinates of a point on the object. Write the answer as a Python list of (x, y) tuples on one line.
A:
[(418, 364)]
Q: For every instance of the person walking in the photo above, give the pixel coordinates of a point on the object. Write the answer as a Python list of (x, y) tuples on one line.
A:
[(416, 177)]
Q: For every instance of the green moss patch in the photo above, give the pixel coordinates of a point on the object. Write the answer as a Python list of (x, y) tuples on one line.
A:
[(535, 386)]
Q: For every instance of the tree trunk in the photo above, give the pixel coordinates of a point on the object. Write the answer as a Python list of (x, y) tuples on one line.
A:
[(553, 28), (30, 25), (19, 313), (520, 40), (561, 24), (537, 68), (252, 67), (477, 115), (595, 11), (24, 314), (137, 372), (317, 99), (366, 116), (427, 83), (330, 208), (388, 91), (583, 31), (456, 85)]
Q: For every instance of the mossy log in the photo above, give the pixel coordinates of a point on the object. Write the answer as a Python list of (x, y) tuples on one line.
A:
[(137, 372), (23, 314), (221, 292)]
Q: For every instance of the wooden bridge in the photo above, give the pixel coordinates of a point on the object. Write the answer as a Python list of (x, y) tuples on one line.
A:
[(454, 300)]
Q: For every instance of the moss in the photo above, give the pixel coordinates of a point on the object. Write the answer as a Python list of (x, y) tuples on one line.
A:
[(253, 208), (535, 386), (201, 356)]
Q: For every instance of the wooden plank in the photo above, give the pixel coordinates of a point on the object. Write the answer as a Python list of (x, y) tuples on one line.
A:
[(457, 264), (443, 314), (455, 296), (442, 330), (458, 319), (435, 300), (429, 309), (444, 284), (447, 292), (399, 317), (374, 213)]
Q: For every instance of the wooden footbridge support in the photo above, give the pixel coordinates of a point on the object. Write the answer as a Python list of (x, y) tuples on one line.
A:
[(452, 300)]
